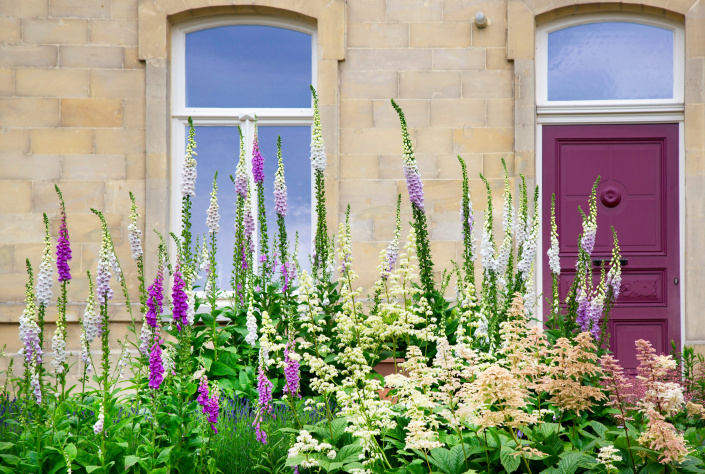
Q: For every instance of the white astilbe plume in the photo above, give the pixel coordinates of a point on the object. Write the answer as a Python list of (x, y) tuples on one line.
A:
[(46, 271), (251, 337), (310, 313)]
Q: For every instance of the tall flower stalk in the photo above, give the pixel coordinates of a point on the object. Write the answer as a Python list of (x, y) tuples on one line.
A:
[(468, 227), (212, 221), (241, 251), (280, 204), (318, 162), (44, 286), (258, 176), (415, 187)]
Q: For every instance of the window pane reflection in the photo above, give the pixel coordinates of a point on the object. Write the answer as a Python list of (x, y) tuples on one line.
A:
[(248, 66), (297, 173), (610, 60), (218, 149)]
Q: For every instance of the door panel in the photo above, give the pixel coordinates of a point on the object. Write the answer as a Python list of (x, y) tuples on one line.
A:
[(638, 195)]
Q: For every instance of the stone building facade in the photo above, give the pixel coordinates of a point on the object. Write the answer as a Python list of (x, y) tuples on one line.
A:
[(85, 103)]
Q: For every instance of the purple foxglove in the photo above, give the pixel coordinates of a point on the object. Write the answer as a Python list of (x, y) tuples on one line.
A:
[(202, 398), (291, 370), (241, 171), (212, 408), (257, 161), (63, 248), (155, 298), (29, 325), (264, 389), (411, 170), (156, 365), (180, 299), (100, 424)]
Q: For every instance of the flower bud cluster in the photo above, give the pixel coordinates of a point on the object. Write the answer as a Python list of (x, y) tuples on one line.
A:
[(212, 211), (318, 152), (280, 197), (188, 177), (46, 270)]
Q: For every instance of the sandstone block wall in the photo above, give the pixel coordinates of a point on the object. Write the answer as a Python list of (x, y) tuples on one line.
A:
[(84, 102)]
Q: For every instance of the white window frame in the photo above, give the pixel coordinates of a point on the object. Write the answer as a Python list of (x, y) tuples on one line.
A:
[(608, 106), (232, 117), (611, 112)]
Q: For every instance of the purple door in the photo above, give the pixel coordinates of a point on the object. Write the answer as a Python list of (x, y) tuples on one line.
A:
[(638, 195)]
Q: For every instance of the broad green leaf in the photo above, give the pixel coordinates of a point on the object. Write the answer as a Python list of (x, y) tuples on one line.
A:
[(295, 460), (547, 429), (10, 459), (348, 454), (92, 468), (440, 457), (457, 459), (164, 455), (5, 470), (652, 468), (71, 451), (569, 462), (218, 368), (509, 459), (161, 470), (4, 446), (338, 426), (131, 461), (599, 428)]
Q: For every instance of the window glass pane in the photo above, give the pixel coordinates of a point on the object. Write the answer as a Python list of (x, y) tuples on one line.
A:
[(610, 60), (296, 143), (218, 149), (248, 66)]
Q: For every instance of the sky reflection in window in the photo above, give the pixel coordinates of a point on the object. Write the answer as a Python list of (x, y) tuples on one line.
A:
[(248, 66), (610, 61)]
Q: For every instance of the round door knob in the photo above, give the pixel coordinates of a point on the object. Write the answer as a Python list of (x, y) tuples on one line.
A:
[(610, 196)]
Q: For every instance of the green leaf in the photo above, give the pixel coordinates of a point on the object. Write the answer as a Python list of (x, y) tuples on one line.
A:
[(131, 461), (547, 429), (457, 459), (348, 454), (440, 457), (509, 460), (4, 446), (6, 470), (599, 428), (191, 389), (161, 470), (243, 379), (164, 455), (10, 459), (652, 468), (338, 426), (569, 462), (294, 461), (92, 468), (218, 368), (71, 451)]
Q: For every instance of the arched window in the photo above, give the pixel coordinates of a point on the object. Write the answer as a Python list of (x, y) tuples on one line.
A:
[(241, 71), (609, 59)]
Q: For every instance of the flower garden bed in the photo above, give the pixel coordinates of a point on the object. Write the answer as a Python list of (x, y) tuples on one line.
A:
[(287, 383)]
